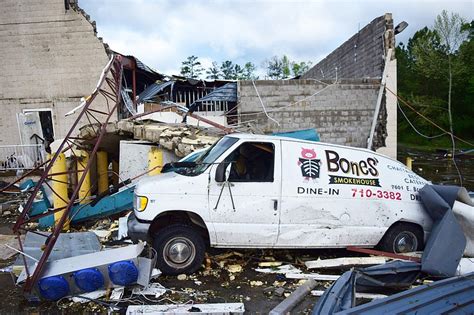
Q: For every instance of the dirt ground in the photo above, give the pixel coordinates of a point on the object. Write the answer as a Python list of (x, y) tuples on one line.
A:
[(213, 283)]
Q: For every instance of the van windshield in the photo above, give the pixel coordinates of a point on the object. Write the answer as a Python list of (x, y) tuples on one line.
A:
[(208, 157)]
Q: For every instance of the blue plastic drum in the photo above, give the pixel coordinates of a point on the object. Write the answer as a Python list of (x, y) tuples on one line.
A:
[(123, 273), (89, 279), (53, 288)]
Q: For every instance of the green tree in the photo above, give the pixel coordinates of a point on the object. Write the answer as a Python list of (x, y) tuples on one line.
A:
[(213, 72), (191, 67), (299, 68), (227, 70), (249, 72), (274, 67)]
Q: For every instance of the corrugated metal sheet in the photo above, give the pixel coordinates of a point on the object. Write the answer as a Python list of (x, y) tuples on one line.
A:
[(153, 90), (226, 93), (449, 296)]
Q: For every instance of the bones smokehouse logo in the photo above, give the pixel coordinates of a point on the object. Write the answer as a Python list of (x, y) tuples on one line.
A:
[(309, 164)]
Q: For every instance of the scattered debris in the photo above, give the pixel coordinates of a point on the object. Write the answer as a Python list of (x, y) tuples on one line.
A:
[(358, 295), (294, 298), (182, 277), (448, 296), (7, 252), (344, 262), (446, 236), (285, 269), (154, 289), (208, 309), (270, 264)]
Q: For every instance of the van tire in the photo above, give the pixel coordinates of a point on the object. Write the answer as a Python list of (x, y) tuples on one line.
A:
[(180, 249), (402, 238)]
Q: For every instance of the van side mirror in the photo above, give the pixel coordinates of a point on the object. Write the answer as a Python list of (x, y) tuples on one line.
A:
[(221, 172)]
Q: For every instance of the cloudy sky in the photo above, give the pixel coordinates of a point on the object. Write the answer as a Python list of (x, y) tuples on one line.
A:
[(162, 33)]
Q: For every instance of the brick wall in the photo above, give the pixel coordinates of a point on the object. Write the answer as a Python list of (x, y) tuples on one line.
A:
[(51, 58), (361, 56), (341, 113)]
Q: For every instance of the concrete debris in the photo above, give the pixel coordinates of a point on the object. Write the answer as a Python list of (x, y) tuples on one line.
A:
[(178, 138)]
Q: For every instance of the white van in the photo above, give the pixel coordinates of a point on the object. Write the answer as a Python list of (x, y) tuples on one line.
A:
[(254, 191)]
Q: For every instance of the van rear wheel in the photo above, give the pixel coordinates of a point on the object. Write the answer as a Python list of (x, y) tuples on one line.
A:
[(180, 249), (402, 238)]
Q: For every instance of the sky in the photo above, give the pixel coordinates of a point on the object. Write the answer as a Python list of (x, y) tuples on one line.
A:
[(163, 33)]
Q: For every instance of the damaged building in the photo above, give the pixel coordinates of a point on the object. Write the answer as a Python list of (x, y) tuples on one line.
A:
[(55, 58)]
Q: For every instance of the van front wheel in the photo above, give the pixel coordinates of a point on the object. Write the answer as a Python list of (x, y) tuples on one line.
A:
[(402, 238), (180, 249)]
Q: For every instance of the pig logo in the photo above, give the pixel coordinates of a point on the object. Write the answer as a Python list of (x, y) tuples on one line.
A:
[(309, 164)]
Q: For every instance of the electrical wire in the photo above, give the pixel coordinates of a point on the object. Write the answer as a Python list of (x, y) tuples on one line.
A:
[(439, 127), (414, 128)]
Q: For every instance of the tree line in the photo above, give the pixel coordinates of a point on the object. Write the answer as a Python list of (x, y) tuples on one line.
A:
[(436, 76), (275, 68)]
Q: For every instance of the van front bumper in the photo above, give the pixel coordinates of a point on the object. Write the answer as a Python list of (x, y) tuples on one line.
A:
[(138, 230)]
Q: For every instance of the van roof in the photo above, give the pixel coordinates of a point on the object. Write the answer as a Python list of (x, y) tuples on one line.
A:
[(257, 137)]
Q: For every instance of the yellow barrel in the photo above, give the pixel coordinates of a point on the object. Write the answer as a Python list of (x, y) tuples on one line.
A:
[(102, 172), (85, 190), (155, 161), (60, 195)]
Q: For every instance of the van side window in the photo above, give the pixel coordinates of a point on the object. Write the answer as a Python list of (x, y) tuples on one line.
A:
[(252, 162)]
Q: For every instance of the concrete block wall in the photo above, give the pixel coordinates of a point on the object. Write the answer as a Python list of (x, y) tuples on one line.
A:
[(52, 58), (361, 56), (341, 113)]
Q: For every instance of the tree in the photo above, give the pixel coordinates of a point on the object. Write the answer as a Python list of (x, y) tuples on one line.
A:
[(213, 72), (435, 74), (274, 68), (300, 68), (227, 70), (284, 68), (191, 67), (249, 72)]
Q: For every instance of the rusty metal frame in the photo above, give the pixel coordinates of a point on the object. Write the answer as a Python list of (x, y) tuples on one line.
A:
[(111, 78)]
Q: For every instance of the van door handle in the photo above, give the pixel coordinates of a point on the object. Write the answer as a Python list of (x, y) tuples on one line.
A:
[(275, 204)]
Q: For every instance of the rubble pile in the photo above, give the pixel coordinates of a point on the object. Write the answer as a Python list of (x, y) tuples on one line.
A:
[(180, 139)]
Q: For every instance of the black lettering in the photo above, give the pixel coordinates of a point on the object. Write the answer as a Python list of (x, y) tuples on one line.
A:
[(332, 161), (300, 190), (313, 191), (344, 164), (372, 166), (363, 168), (355, 168)]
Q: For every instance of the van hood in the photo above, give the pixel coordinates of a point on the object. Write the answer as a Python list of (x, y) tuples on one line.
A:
[(169, 183)]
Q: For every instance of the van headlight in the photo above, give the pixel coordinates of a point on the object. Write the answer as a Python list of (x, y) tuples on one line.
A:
[(140, 203)]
